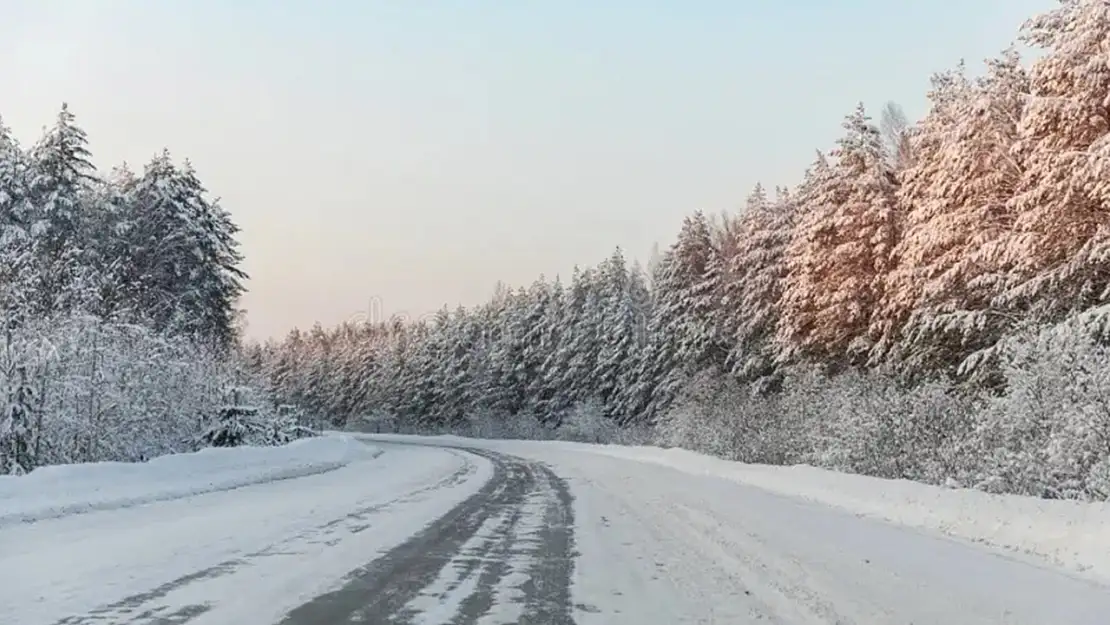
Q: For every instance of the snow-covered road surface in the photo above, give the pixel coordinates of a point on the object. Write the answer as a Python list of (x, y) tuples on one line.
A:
[(415, 535), (660, 546), (512, 533), (501, 556), (247, 555)]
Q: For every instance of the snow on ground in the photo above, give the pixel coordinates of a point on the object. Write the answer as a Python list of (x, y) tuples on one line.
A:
[(664, 546), (1072, 535), (56, 491), (459, 579), (239, 556), (671, 538), (660, 537)]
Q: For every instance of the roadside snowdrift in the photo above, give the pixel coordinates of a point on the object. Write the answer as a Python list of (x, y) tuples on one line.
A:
[(1071, 535), (62, 490)]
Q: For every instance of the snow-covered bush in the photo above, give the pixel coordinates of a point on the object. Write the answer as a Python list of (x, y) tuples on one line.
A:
[(696, 421), (526, 426), (81, 389), (634, 434), (484, 424), (721, 416), (248, 420), (587, 423), (111, 391), (870, 423), (293, 422), (866, 423), (376, 421), (1049, 434), (232, 426), (1046, 435), (17, 398)]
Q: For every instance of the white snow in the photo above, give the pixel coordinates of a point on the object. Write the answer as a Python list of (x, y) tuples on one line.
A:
[(661, 537), (55, 491), (239, 556), (442, 599), (1069, 534), (662, 546), (506, 608)]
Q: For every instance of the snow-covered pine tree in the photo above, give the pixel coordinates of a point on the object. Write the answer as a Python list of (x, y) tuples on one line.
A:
[(542, 393), (403, 377), (59, 179), (565, 312), (157, 238), (283, 367), (462, 350), (616, 334), (17, 269), (947, 268), (218, 280), (693, 255), (586, 334), (707, 338), (1061, 234), (572, 367), (16, 425), (638, 303), (428, 384), (756, 279), (646, 398), (670, 357), (506, 324), (841, 250), (538, 315), (183, 255), (234, 424), (321, 374), (337, 389), (106, 229), (15, 203)]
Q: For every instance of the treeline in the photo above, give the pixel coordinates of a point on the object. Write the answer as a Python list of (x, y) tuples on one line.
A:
[(929, 303), (117, 304)]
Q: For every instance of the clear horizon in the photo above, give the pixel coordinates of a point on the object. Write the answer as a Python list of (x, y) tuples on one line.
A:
[(393, 159)]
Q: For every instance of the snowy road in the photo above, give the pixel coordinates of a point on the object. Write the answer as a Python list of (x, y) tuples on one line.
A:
[(660, 546), (512, 533), (505, 551)]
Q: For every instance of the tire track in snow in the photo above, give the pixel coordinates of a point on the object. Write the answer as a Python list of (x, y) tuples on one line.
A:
[(464, 559), (148, 608)]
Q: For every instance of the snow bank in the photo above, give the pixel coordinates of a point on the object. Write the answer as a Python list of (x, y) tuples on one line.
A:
[(1072, 535), (62, 490)]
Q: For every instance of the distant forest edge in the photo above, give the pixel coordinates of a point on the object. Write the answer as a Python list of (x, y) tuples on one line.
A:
[(930, 303)]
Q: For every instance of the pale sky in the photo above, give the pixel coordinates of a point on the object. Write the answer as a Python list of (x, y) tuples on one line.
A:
[(393, 157)]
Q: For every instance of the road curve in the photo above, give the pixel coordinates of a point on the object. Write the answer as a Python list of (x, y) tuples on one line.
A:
[(514, 534), (660, 546), (244, 556), (443, 531)]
